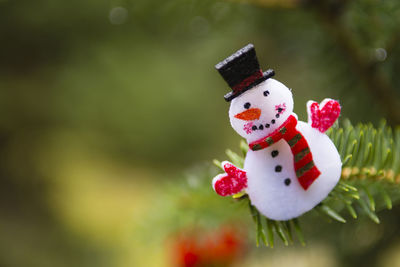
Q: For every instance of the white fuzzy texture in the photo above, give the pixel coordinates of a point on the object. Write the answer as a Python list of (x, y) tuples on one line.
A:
[(278, 94), (266, 187)]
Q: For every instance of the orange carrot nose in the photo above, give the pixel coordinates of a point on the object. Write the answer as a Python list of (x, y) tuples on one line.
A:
[(249, 115)]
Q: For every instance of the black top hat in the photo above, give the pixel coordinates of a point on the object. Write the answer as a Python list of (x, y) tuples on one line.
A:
[(242, 72)]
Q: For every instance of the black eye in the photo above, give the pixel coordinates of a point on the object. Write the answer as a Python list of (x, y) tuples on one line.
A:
[(247, 105), (266, 93)]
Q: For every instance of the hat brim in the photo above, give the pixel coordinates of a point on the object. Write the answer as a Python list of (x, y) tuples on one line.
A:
[(231, 95)]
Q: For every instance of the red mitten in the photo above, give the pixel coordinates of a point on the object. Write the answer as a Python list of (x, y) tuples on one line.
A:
[(323, 116), (231, 182)]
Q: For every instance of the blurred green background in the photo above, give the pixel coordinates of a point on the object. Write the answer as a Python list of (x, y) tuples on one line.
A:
[(109, 110)]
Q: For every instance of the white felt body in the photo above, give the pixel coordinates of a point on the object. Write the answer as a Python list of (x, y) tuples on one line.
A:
[(266, 187)]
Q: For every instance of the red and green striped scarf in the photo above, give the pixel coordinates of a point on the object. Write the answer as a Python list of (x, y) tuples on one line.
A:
[(306, 171)]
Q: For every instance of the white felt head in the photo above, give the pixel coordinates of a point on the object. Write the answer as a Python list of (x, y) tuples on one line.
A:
[(262, 109)]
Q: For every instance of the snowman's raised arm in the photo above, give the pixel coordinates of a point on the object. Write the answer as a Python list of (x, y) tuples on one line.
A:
[(231, 182), (323, 116)]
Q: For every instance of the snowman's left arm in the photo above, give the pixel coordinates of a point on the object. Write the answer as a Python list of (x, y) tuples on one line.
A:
[(231, 182), (323, 116)]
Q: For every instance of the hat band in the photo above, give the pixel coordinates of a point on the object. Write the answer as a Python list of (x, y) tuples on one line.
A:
[(248, 81)]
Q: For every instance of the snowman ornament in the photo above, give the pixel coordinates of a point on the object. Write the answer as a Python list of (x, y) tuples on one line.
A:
[(291, 166)]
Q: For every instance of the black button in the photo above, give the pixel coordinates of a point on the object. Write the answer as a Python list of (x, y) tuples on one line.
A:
[(273, 121), (278, 168), (287, 181), (261, 127), (267, 125), (280, 110), (274, 153), (247, 105), (277, 115), (254, 128)]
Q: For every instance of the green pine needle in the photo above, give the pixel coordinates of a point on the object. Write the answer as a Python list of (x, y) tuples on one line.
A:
[(278, 229), (270, 232), (218, 164), (351, 210), (288, 230), (298, 231), (237, 160), (368, 211), (331, 213), (386, 198), (370, 198)]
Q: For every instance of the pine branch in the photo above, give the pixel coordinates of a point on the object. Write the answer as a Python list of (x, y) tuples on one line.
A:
[(369, 182)]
